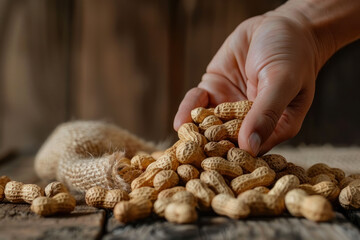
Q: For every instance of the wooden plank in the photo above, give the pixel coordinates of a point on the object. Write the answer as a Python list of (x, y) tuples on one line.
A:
[(217, 227), (18, 222)]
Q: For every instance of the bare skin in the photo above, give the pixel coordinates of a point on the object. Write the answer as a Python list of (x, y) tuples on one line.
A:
[(273, 60)]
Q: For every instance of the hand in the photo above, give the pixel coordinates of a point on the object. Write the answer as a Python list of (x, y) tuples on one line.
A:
[(272, 60)]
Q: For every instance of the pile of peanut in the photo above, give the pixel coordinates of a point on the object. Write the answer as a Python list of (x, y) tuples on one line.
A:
[(206, 171)]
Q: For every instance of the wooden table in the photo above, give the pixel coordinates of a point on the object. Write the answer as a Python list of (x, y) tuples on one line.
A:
[(18, 222)]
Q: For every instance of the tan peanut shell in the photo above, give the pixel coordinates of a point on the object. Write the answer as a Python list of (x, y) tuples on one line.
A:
[(245, 160), (2, 195), (201, 191), (232, 129), (284, 185), (165, 179), (190, 132), (145, 193), (262, 204), (157, 154), (326, 189), (262, 189), (223, 166), (210, 121), (294, 170), (180, 213), (199, 114), (232, 110), (184, 197), (18, 192), (321, 178), (102, 198), (262, 176), (160, 205), (349, 197), (168, 193), (187, 172), (218, 149), (142, 161), (315, 208), (226, 205), (129, 176), (216, 182), (319, 168), (275, 161), (60, 203), (4, 180), (345, 182), (189, 152), (129, 211), (54, 188), (172, 149), (216, 133), (146, 179), (167, 161)]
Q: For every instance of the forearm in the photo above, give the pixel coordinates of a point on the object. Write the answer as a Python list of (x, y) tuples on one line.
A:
[(335, 23)]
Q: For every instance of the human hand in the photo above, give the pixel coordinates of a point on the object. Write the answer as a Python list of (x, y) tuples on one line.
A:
[(272, 60)]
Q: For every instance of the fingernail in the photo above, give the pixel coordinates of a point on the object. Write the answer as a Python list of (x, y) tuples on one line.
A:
[(255, 142)]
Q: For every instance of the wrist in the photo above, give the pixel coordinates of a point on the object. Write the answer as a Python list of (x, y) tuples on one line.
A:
[(332, 23)]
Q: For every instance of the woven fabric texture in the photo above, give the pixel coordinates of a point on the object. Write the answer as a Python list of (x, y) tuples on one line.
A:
[(83, 154)]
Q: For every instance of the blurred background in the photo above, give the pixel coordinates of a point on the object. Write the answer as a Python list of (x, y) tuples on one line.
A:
[(131, 62)]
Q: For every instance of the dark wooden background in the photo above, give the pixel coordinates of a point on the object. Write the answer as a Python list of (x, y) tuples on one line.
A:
[(131, 62)]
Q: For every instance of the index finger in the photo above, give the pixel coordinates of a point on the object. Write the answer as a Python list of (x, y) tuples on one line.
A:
[(195, 97)]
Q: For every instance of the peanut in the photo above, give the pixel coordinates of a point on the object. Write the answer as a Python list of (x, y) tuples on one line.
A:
[(2, 195), (262, 189), (189, 152), (210, 121), (165, 179), (142, 161), (145, 193), (199, 114), (229, 130), (102, 198), (273, 202), (216, 182), (345, 182), (275, 161), (60, 203), (202, 192), (172, 149), (355, 175), (262, 176), (190, 132), (294, 170), (227, 205), (319, 168), (218, 149), (180, 213), (129, 176), (245, 160), (179, 197), (232, 110), (168, 193), (326, 189), (315, 208), (146, 179), (167, 161), (223, 166), (129, 211), (157, 154), (187, 172), (54, 188), (4, 180), (321, 178), (18, 192), (349, 197)]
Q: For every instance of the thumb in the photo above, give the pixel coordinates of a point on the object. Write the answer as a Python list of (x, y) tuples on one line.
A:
[(268, 106)]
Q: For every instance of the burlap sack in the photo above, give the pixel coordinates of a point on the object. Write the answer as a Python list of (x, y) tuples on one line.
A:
[(83, 154)]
